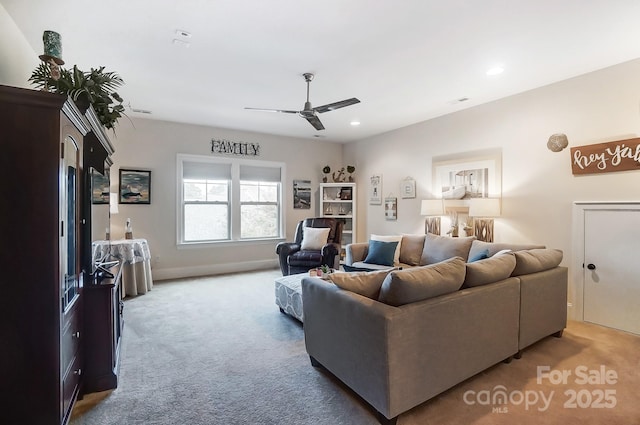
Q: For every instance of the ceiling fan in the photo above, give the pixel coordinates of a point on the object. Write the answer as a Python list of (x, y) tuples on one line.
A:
[(309, 113)]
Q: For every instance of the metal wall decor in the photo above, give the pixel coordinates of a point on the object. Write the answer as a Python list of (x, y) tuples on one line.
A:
[(235, 148)]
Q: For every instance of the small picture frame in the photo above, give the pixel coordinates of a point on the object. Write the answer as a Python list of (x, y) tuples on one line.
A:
[(346, 193), (375, 190), (391, 208), (408, 188), (135, 187)]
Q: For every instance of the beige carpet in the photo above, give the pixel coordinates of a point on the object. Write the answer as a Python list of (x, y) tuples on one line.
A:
[(217, 351), (589, 376)]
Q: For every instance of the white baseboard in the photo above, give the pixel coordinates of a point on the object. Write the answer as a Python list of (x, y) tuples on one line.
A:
[(213, 269)]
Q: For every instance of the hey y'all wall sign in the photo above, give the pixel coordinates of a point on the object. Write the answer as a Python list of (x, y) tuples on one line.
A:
[(609, 157)]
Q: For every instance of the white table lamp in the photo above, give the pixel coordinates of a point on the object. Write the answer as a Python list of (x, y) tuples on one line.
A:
[(482, 210), (432, 209)]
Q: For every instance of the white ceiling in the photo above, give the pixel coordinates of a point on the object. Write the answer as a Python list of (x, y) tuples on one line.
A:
[(406, 60)]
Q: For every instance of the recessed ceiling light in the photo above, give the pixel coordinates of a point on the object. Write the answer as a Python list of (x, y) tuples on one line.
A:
[(181, 43), (355, 123), (495, 70)]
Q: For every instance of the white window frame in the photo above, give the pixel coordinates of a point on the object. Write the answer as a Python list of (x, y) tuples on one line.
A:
[(234, 201)]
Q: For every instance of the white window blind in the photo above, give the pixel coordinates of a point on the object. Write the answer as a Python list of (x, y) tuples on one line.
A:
[(206, 170), (259, 174)]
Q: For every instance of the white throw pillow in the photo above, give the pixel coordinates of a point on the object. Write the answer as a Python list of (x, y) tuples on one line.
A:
[(314, 237), (390, 238)]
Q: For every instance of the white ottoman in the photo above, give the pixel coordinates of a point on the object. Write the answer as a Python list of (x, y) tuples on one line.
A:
[(289, 294)]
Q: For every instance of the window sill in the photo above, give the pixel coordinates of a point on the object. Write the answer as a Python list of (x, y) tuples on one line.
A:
[(243, 242)]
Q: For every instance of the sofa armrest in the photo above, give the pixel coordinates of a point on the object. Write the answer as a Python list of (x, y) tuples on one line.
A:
[(356, 252), (284, 249), (329, 253), (543, 305)]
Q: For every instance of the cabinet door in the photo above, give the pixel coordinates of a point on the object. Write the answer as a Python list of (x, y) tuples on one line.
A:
[(69, 216)]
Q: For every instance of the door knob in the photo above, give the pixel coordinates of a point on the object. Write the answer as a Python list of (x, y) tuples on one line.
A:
[(591, 266)]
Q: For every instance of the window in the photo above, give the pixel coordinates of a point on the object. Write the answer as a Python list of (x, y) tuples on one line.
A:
[(228, 200)]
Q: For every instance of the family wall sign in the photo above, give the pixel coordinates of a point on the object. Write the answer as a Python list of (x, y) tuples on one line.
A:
[(235, 148), (609, 157)]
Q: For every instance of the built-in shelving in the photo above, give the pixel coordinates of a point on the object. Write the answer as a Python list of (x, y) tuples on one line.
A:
[(338, 200)]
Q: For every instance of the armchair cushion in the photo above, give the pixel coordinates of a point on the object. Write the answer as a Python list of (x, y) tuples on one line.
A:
[(314, 238)]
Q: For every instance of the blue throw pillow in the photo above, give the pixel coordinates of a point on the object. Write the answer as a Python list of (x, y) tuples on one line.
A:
[(381, 253), (479, 256)]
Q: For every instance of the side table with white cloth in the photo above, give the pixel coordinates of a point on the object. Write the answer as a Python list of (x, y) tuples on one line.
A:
[(136, 263)]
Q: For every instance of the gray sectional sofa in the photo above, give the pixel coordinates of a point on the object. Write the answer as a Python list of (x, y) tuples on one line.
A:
[(400, 337)]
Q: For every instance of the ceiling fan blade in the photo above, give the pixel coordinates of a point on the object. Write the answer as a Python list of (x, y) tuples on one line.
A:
[(314, 121), (336, 105), (283, 111)]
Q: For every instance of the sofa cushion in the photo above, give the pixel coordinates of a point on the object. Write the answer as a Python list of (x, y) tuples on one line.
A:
[(493, 247), (420, 283), (390, 238), (411, 249), (364, 283), (381, 253), (489, 270), (440, 248), (314, 238), (536, 260)]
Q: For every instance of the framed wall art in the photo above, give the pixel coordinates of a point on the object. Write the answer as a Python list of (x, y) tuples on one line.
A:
[(375, 190), (391, 208), (459, 178), (302, 194), (408, 188), (99, 188), (135, 187)]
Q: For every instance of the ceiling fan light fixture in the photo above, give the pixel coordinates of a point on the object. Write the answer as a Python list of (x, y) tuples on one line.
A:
[(310, 113)]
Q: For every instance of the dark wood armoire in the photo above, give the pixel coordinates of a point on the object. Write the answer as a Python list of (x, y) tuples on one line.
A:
[(43, 211)]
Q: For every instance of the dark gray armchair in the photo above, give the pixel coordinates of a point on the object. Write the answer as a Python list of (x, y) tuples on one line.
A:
[(294, 260)]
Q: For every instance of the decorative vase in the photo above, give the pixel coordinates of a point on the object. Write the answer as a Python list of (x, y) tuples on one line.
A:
[(52, 47)]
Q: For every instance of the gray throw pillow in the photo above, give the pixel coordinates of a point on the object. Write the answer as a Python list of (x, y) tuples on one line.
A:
[(494, 247), (420, 283), (489, 270), (364, 283), (536, 260), (411, 249), (440, 248)]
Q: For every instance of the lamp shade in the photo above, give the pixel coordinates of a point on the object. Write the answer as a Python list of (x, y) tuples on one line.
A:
[(113, 203), (484, 207), (432, 207)]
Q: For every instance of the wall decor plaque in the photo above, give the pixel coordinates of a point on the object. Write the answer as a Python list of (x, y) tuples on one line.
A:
[(621, 155)]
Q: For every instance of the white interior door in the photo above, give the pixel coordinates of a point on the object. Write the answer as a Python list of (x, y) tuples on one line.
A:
[(612, 268)]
